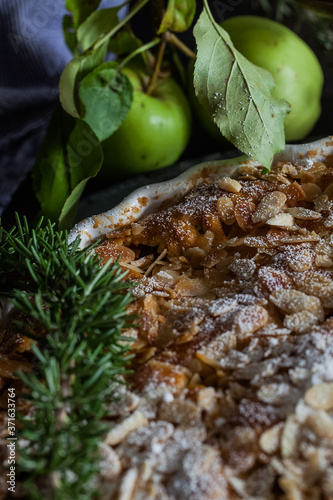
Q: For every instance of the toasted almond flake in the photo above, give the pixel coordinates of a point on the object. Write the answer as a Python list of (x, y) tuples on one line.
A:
[(250, 319), (195, 255), (274, 178), (145, 354), (316, 284), (226, 210), (314, 173), (307, 237), (322, 203), (269, 440), (187, 336), (320, 396), (303, 213), (195, 287), (230, 185), (207, 398), (110, 465), (180, 412), (270, 205), (208, 361), (321, 424), (329, 191), (300, 260), (156, 261), (243, 214), (311, 190), (290, 435), (281, 220), (121, 430), (300, 322), (290, 169), (247, 170), (294, 301), (329, 221), (137, 228), (128, 485), (323, 260)]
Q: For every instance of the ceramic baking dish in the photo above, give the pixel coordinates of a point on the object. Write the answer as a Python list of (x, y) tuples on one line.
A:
[(150, 198)]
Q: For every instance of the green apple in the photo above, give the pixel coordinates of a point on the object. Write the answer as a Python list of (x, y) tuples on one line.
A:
[(155, 132), (294, 66)]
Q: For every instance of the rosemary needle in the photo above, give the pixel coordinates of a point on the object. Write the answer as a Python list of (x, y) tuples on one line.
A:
[(81, 309)]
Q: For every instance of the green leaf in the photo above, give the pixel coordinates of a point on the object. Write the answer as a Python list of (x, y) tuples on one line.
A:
[(69, 33), (178, 16), (237, 94), (84, 153), (75, 70), (81, 9), (85, 156), (68, 212), (124, 42), (106, 95), (50, 176), (97, 25)]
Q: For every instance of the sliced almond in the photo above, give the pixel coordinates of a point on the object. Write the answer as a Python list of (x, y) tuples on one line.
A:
[(195, 255), (329, 191), (244, 212), (316, 284), (250, 319), (195, 287), (311, 190), (294, 194), (269, 440), (314, 173), (270, 205), (281, 220), (320, 396), (322, 203), (294, 301), (290, 170), (226, 210), (121, 430), (230, 185), (300, 322), (323, 260), (304, 213), (290, 435), (300, 260), (321, 424)]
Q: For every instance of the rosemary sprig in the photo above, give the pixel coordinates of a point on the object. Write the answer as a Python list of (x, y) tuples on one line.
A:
[(80, 309)]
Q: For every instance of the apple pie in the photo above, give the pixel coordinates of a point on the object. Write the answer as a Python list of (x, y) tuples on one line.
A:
[(231, 393), (232, 389)]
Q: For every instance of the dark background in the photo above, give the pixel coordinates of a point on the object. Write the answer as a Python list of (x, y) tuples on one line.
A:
[(23, 200)]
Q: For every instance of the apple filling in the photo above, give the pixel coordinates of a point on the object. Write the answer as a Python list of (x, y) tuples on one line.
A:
[(232, 391)]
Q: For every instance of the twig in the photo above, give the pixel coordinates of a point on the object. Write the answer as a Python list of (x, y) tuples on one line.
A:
[(172, 38), (157, 67)]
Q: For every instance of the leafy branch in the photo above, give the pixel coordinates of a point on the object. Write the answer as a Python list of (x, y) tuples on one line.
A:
[(79, 309), (96, 96), (226, 84)]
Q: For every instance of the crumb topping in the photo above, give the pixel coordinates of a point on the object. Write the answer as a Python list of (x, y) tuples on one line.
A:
[(232, 389)]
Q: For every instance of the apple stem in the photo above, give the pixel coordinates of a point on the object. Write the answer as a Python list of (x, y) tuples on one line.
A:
[(157, 67), (172, 38)]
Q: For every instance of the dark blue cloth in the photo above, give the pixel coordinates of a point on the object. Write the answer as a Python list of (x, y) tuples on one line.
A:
[(33, 54)]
